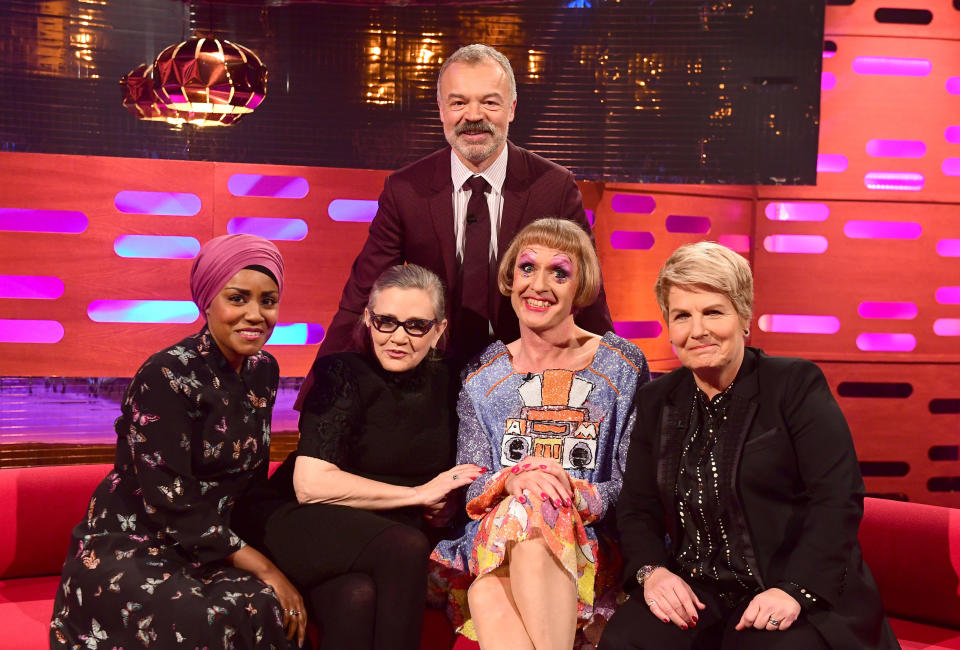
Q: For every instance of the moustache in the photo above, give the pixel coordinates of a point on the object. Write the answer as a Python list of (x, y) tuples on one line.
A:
[(473, 128)]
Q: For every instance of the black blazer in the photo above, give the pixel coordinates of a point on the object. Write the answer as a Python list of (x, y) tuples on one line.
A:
[(794, 485)]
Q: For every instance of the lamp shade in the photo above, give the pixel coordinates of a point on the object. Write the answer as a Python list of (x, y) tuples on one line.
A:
[(136, 88), (209, 75)]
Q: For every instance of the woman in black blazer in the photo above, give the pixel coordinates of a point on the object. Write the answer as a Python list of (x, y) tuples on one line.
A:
[(742, 493)]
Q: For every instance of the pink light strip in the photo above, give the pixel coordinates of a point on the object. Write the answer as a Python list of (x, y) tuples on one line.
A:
[(952, 134), (948, 295), (882, 230), (61, 221), (799, 323), (946, 327), (638, 329), (795, 244), (831, 163), (953, 85), (685, 224), (951, 167), (948, 248), (631, 240), (888, 65), (633, 203), (896, 181), (897, 148), (15, 330), (828, 81), (736, 243), (36, 287), (899, 310), (884, 342), (778, 211)]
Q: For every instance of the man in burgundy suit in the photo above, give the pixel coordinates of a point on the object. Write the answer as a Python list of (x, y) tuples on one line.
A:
[(431, 215)]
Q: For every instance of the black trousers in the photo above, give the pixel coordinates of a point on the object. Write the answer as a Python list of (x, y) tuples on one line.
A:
[(633, 627)]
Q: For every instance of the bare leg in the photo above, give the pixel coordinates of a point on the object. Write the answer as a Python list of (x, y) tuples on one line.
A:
[(545, 594), (495, 614)]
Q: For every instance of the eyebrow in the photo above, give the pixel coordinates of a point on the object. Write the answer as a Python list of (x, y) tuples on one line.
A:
[(245, 291), (495, 95)]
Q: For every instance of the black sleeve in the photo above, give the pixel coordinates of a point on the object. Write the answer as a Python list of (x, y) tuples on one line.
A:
[(331, 411)]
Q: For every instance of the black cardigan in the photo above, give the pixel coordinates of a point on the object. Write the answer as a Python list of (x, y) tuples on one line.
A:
[(793, 483)]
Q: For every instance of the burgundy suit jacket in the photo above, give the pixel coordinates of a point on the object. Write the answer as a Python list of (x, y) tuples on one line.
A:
[(414, 224)]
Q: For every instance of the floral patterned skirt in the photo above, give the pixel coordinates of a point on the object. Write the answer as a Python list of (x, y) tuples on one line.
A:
[(499, 521)]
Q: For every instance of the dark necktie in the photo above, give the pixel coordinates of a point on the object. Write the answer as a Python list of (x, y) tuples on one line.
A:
[(472, 315), (476, 249)]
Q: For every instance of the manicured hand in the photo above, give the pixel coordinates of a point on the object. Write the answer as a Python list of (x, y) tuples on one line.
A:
[(671, 599), (542, 479), (436, 490)]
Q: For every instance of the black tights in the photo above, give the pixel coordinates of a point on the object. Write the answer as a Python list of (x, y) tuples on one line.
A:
[(379, 603)]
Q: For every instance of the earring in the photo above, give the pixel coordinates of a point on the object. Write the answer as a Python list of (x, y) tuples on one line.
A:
[(746, 332)]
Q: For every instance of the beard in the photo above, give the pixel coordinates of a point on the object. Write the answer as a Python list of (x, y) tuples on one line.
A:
[(477, 153)]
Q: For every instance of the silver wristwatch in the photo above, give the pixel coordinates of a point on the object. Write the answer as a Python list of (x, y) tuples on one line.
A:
[(644, 572)]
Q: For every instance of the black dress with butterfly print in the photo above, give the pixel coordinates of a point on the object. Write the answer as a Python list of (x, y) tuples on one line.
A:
[(147, 567)]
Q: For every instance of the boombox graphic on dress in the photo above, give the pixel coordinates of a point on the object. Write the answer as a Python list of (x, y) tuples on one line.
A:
[(553, 422)]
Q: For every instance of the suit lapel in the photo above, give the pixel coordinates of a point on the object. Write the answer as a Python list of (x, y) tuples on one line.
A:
[(515, 198), (674, 424), (440, 205)]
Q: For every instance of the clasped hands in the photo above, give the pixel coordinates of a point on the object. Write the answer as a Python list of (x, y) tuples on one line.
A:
[(672, 600), (540, 478)]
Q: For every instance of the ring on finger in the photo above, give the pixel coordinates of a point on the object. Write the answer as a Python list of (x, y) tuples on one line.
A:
[(773, 622), (456, 476), (651, 602), (293, 612)]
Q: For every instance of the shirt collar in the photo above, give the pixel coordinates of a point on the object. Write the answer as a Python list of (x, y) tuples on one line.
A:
[(495, 174)]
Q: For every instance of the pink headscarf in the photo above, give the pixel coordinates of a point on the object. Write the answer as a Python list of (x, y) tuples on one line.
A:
[(222, 257)]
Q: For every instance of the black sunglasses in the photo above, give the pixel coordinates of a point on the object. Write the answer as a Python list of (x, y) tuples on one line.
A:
[(413, 326)]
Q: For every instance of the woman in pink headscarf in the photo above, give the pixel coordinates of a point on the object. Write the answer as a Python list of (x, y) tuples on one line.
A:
[(155, 562)]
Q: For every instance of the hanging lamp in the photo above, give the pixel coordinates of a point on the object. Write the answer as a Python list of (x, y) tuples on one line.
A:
[(142, 102), (209, 76)]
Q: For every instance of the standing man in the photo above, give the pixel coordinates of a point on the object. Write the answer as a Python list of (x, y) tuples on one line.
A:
[(456, 210)]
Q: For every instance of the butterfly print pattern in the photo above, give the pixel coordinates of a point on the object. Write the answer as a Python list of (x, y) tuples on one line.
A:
[(146, 567)]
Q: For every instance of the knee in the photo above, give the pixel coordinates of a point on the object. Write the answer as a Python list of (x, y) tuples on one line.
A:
[(410, 546), (533, 553), (485, 598), (353, 591)]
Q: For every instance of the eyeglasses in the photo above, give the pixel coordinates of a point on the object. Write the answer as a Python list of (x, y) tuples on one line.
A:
[(413, 326)]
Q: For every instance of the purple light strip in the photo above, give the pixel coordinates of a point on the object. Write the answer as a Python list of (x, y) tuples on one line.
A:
[(946, 327), (882, 230), (953, 85), (884, 342), (355, 210), (631, 240), (633, 203), (296, 334), (952, 134), (275, 187), (14, 330), (736, 243), (951, 167), (638, 329), (897, 148), (269, 227), (169, 204), (142, 311), (591, 218), (897, 181), (156, 247), (831, 163), (888, 65), (691, 225), (797, 211), (37, 287), (810, 244), (899, 310), (948, 295), (828, 81), (799, 323), (61, 221), (948, 248)]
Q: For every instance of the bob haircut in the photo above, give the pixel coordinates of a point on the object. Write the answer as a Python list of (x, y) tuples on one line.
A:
[(562, 235), (708, 266), (402, 276)]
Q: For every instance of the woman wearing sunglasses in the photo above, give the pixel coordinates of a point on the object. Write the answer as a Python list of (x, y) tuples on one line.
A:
[(349, 507)]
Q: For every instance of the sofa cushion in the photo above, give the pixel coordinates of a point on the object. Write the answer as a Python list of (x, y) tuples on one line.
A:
[(39, 506), (913, 551), (917, 636), (26, 605)]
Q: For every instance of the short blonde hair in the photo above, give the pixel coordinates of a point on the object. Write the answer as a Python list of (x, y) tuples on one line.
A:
[(562, 235), (710, 266)]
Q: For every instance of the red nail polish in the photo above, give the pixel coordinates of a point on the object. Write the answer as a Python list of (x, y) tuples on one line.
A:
[(543, 495), (543, 467), (683, 627), (695, 619), (483, 470), (557, 503), (567, 502), (526, 465), (515, 469), (522, 499), (666, 620)]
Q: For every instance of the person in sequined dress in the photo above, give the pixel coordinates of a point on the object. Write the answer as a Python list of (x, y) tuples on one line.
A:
[(744, 464), (155, 562), (549, 415)]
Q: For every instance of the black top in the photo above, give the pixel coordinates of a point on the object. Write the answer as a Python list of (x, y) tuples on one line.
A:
[(707, 552), (385, 426)]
